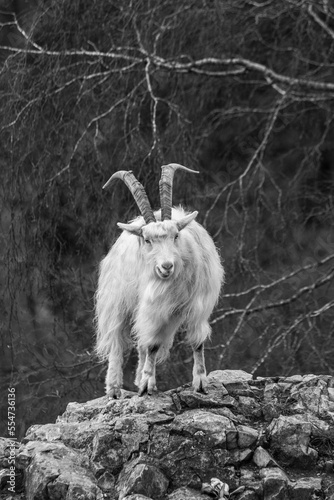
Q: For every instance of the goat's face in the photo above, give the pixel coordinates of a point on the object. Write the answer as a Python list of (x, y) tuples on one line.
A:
[(160, 240), (161, 244)]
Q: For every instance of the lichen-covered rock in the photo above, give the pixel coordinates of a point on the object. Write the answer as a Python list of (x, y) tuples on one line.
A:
[(187, 494), (271, 395), (229, 376), (290, 438), (142, 479), (247, 436), (138, 497), (56, 472), (275, 484), (311, 395), (262, 458), (266, 439), (305, 488), (204, 426)]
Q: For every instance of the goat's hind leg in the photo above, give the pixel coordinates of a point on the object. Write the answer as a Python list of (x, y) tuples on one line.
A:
[(200, 383), (114, 378), (140, 366)]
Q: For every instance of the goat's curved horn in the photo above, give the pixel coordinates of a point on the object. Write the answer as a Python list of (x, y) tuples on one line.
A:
[(137, 191), (166, 188)]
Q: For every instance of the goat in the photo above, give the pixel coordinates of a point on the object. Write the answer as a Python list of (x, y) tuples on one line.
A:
[(162, 273)]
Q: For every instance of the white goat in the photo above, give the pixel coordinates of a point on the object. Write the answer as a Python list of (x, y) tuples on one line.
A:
[(162, 273)]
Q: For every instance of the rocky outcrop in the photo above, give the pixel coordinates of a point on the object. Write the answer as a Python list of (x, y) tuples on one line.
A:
[(268, 438)]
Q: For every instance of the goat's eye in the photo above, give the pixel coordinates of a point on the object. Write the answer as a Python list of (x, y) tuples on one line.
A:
[(176, 237), (148, 242)]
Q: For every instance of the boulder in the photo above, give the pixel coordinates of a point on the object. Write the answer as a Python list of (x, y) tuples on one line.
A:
[(275, 484), (262, 458), (306, 488), (144, 479), (263, 438), (290, 438)]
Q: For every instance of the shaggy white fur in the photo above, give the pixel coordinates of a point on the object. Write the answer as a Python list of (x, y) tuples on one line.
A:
[(156, 278)]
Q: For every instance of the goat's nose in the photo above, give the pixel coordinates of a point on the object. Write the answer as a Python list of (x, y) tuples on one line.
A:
[(167, 265)]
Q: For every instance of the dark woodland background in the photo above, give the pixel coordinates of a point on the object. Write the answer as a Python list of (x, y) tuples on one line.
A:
[(243, 91)]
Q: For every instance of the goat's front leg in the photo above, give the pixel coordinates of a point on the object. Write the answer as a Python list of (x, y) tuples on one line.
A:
[(200, 383), (145, 378), (114, 378), (140, 366)]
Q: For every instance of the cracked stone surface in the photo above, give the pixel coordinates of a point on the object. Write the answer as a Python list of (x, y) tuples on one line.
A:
[(268, 438)]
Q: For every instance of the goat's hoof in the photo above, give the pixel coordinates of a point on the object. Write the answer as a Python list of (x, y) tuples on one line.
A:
[(114, 392), (200, 384), (147, 389)]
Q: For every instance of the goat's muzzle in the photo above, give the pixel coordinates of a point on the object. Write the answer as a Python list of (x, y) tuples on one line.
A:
[(165, 270)]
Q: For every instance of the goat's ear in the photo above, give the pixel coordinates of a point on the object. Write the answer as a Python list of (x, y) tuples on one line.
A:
[(131, 228), (182, 223)]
